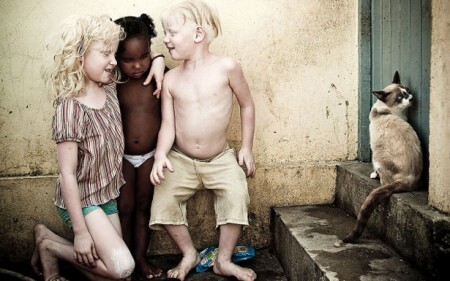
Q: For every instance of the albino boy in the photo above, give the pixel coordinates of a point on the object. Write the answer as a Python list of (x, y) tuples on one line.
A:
[(196, 112)]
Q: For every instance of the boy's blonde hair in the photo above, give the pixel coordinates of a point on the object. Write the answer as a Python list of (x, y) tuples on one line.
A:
[(197, 11), (63, 70)]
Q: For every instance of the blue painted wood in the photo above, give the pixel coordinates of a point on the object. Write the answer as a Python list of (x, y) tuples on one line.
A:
[(365, 78), (400, 40)]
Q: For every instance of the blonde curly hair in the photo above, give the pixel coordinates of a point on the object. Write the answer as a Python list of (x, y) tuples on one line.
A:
[(197, 11), (62, 71)]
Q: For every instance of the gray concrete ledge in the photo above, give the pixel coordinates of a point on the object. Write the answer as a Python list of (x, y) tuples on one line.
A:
[(416, 231), (305, 238)]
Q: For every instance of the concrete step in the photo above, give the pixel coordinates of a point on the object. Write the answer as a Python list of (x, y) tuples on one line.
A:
[(306, 242), (416, 231)]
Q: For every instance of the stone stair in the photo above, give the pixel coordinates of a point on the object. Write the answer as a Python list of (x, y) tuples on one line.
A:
[(404, 240)]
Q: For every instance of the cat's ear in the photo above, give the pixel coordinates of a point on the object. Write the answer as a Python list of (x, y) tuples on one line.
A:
[(381, 95), (396, 79)]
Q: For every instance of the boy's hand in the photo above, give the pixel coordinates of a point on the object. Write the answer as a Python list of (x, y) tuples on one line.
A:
[(156, 72), (246, 158), (157, 175)]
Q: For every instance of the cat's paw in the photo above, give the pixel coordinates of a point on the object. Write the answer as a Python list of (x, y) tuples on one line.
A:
[(374, 175)]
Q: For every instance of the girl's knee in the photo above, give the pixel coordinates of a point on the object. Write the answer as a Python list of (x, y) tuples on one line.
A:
[(122, 264)]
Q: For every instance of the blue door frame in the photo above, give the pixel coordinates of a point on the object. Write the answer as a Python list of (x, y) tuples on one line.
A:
[(394, 35)]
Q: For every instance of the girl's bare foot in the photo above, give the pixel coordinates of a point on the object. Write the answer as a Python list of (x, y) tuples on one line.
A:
[(49, 262), (148, 270), (41, 232), (187, 263), (231, 269), (36, 262), (57, 278)]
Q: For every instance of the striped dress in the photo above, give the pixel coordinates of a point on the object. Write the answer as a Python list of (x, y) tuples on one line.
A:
[(99, 135)]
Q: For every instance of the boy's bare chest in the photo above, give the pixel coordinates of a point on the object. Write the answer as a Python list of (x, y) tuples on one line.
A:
[(201, 88)]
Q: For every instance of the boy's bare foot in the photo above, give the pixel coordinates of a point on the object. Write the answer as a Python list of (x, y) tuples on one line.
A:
[(187, 263), (148, 270), (231, 269)]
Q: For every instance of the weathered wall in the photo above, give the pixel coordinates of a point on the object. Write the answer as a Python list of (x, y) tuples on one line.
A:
[(439, 190), (300, 60)]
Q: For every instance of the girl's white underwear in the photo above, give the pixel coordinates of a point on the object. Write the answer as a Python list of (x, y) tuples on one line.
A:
[(138, 160)]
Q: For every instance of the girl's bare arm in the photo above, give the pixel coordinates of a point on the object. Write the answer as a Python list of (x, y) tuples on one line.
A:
[(84, 250)]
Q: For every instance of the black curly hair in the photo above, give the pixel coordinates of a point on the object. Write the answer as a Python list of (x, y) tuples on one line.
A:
[(141, 27)]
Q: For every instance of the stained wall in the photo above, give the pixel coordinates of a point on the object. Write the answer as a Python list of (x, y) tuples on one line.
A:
[(300, 60), (439, 190)]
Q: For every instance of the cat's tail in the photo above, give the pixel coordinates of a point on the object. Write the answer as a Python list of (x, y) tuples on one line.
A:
[(375, 197)]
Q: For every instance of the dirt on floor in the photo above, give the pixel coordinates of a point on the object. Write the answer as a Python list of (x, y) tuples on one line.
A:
[(265, 264)]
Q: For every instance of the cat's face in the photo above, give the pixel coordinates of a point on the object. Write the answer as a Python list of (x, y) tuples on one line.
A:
[(395, 96)]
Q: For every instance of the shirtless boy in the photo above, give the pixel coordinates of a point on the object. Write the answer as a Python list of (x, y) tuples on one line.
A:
[(197, 105)]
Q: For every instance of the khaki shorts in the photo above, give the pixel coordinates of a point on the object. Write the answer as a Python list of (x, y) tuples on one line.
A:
[(221, 174)]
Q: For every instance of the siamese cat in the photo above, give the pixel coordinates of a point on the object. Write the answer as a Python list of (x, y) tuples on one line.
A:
[(396, 151)]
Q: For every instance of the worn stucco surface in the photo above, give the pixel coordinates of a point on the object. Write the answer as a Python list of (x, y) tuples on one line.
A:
[(439, 191), (300, 60)]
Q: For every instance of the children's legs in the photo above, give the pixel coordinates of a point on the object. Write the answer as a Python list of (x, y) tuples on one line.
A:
[(115, 260), (182, 238), (126, 203), (52, 251), (51, 248), (46, 240), (229, 235), (144, 196)]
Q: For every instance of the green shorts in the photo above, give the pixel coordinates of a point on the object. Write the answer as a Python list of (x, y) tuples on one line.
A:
[(109, 208), (221, 174)]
